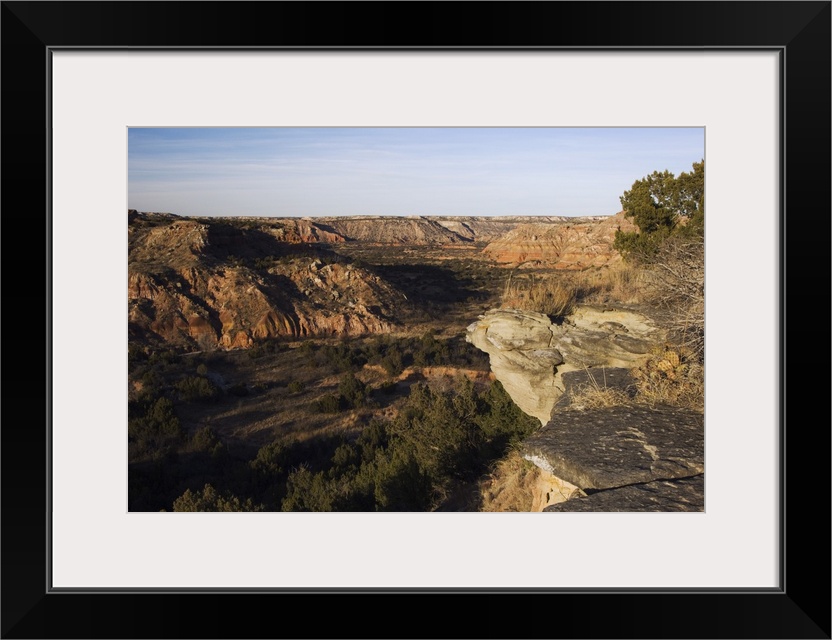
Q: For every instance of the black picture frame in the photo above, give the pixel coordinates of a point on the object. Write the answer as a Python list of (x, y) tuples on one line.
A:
[(799, 31)]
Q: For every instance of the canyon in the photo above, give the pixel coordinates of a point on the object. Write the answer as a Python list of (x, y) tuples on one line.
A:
[(304, 333), (211, 282)]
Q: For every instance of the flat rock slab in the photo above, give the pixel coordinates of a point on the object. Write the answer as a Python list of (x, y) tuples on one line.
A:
[(687, 494), (619, 446)]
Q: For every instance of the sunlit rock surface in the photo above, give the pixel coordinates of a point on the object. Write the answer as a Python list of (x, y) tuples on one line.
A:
[(529, 353)]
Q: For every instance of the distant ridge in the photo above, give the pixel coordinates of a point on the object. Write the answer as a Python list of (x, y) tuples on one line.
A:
[(388, 230)]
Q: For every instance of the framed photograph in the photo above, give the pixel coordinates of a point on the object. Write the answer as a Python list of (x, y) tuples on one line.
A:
[(81, 79)]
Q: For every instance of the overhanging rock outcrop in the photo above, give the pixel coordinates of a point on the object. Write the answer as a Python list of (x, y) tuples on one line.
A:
[(523, 357), (529, 353)]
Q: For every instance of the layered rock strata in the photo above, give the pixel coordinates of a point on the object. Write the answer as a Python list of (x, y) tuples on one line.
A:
[(207, 285), (232, 307), (577, 244)]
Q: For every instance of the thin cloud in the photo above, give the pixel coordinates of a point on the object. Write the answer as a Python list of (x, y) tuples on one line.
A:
[(398, 171)]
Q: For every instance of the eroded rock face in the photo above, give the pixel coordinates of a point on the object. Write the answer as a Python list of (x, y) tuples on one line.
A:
[(185, 287), (550, 490), (394, 231), (573, 244), (515, 485), (529, 354), (211, 307), (523, 357)]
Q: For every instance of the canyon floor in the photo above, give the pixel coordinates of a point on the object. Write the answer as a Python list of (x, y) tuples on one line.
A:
[(322, 364)]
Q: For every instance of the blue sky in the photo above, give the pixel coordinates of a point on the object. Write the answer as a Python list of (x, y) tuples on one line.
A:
[(398, 171)]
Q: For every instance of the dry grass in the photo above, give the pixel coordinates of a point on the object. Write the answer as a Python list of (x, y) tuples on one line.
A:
[(553, 296), (557, 294), (672, 375), (622, 283), (517, 485), (596, 395), (509, 487)]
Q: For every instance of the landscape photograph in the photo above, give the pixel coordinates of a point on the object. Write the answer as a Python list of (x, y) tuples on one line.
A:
[(415, 319)]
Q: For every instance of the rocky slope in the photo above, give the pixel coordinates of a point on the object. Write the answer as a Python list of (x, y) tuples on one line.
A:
[(400, 230), (564, 242), (567, 242), (297, 230), (410, 230), (415, 230), (489, 229), (206, 285), (571, 244), (625, 457), (213, 282)]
